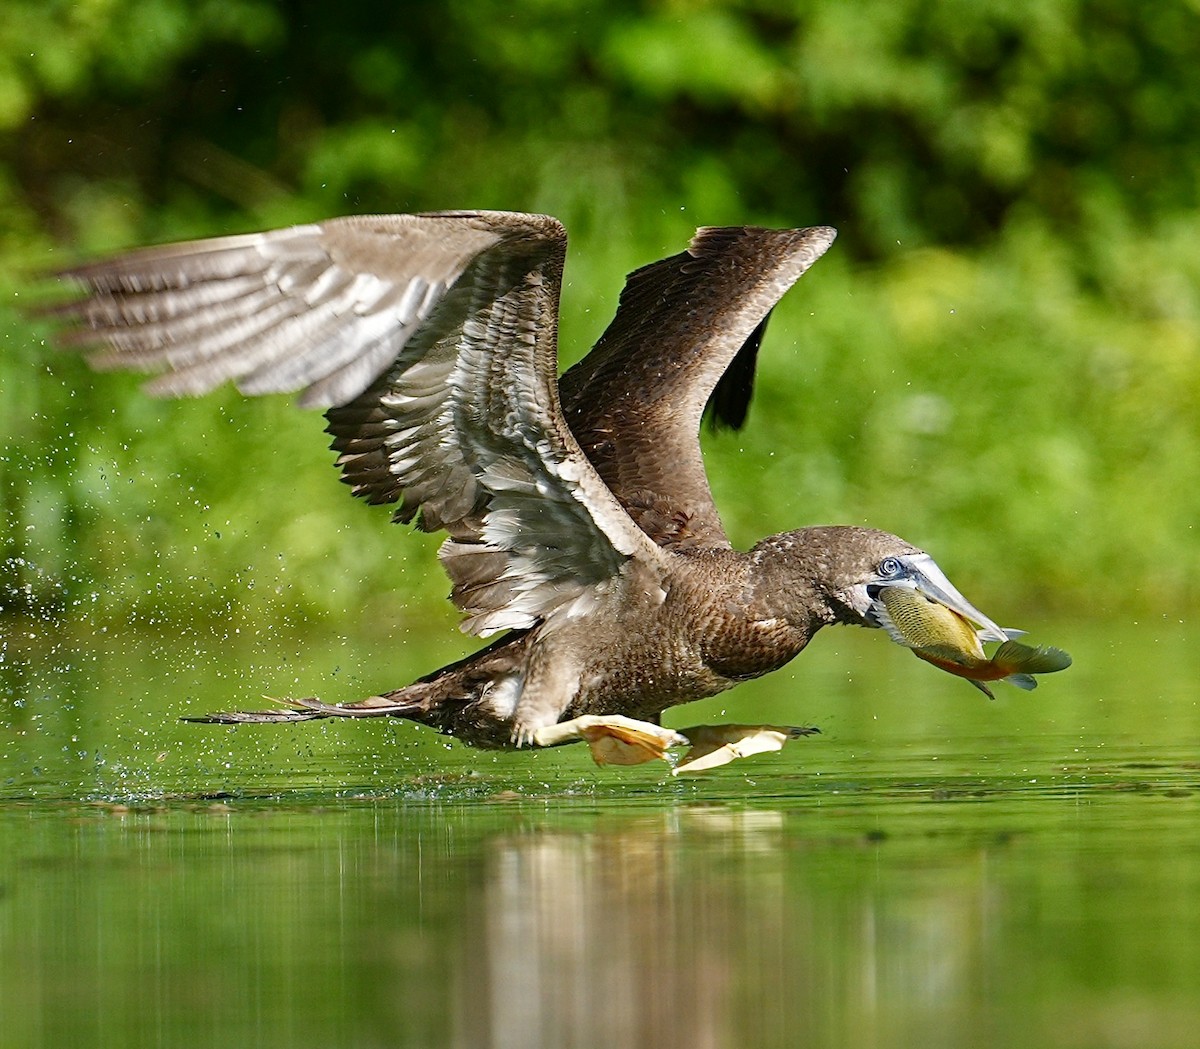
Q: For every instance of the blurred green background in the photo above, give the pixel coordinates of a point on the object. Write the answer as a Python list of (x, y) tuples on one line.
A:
[(999, 359)]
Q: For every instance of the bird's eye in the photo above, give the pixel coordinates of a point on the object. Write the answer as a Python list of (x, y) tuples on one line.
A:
[(890, 567)]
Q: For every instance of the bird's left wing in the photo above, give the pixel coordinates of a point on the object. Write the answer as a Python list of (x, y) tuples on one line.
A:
[(685, 335), (432, 341)]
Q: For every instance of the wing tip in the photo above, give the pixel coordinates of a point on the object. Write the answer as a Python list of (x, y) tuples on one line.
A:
[(810, 241)]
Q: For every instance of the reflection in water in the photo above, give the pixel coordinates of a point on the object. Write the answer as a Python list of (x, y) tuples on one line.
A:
[(692, 931), (577, 942), (560, 923)]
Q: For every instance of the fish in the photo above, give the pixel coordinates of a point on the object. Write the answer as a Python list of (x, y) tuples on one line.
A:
[(951, 642)]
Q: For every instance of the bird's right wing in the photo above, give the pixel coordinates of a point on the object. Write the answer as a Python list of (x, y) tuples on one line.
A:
[(432, 340), (686, 326)]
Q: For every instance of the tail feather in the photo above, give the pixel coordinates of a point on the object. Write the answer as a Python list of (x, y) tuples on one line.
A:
[(309, 708), (253, 717), (449, 699)]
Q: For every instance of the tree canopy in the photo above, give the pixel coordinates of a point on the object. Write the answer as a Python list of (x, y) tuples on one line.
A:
[(998, 360)]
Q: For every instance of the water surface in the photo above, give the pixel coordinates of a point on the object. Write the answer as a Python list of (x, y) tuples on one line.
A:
[(932, 870)]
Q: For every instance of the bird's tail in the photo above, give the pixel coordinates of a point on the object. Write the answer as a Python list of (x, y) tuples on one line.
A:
[(310, 708), (451, 700)]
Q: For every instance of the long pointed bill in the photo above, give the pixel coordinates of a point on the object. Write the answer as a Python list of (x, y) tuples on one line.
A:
[(924, 576)]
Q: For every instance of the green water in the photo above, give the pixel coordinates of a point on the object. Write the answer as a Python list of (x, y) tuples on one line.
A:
[(933, 870)]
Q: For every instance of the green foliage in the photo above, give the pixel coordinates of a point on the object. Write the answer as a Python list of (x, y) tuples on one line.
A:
[(998, 359)]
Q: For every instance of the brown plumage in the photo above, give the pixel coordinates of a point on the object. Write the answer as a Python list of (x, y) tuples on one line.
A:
[(581, 526)]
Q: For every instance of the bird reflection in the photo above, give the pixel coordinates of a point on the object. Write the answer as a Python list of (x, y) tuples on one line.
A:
[(596, 939), (703, 928)]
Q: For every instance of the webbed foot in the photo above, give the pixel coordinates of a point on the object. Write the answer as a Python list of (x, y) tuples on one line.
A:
[(613, 739), (716, 745)]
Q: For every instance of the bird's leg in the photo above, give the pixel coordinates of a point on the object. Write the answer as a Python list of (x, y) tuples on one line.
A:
[(551, 682), (613, 738)]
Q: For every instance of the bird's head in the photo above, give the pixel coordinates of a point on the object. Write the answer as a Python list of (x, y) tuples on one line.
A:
[(879, 580), (849, 566)]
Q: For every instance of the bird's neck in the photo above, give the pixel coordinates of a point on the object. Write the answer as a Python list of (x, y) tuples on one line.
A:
[(792, 575)]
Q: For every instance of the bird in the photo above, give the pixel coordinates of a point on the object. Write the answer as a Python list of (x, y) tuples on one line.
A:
[(581, 532)]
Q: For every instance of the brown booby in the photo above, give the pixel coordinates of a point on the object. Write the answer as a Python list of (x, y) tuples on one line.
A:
[(581, 527)]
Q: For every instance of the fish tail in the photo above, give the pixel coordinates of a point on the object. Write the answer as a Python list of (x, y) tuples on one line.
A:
[(1023, 661)]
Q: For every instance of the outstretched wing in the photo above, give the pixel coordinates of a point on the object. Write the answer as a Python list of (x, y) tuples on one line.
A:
[(432, 340), (635, 402)]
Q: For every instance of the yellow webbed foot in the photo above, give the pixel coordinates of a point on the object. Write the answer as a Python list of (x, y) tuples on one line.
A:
[(618, 740), (613, 739), (716, 745)]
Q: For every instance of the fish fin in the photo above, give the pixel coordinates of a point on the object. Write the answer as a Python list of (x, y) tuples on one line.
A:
[(982, 687), (885, 621), (1025, 659), (1025, 681)]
